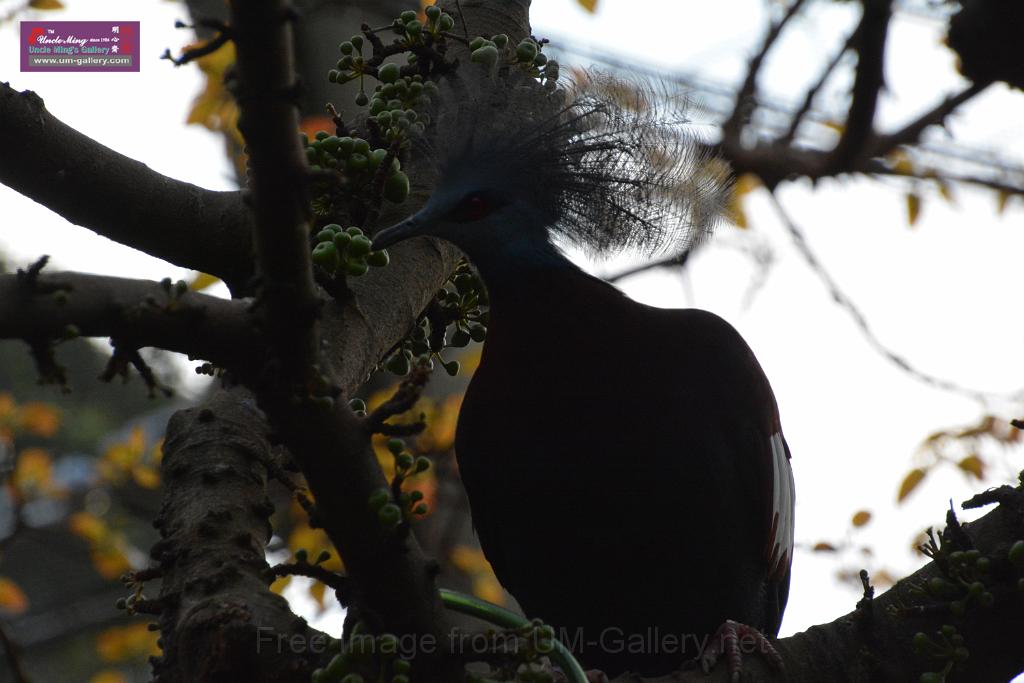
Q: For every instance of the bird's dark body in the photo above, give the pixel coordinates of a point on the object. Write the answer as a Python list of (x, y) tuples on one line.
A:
[(633, 520)]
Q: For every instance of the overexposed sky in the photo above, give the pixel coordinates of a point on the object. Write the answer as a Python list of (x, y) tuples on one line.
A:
[(941, 294)]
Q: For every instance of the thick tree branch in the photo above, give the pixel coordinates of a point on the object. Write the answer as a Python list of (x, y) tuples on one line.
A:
[(136, 313), (873, 643), (867, 84), (120, 198), (910, 133)]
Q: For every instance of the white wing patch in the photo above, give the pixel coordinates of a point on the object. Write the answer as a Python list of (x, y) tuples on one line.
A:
[(780, 538)]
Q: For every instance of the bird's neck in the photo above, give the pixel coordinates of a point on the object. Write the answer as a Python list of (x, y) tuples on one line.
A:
[(543, 293)]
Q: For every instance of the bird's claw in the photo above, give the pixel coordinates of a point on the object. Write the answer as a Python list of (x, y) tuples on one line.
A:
[(733, 639)]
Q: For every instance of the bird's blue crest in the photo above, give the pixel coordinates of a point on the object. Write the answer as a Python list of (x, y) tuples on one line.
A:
[(608, 163)]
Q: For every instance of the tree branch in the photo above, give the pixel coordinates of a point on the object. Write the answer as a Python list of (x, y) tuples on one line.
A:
[(136, 313), (867, 85), (883, 144), (95, 187)]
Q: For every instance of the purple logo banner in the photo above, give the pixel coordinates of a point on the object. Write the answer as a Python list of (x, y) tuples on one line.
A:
[(80, 46)]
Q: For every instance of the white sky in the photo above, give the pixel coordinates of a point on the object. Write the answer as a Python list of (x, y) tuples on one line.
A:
[(945, 294)]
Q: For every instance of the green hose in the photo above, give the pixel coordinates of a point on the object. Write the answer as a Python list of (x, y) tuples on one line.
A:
[(499, 616)]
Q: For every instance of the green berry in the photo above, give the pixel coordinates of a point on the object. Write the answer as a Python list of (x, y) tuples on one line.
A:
[(459, 339), (353, 230), (357, 405), (414, 27), (325, 235), (362, 99), (378, 259), (396, 187), (321, 134), (404, 461), (477, 43), (986, 599), (388, 73), (407, 16), (331, 144), (346, 48), (396, 446), (345, 145), (341, 240), (526, 50), (389, 515), (356, 268), (360, 246), (446, 22), (433, 12), (487, 55), (957, 608), (377, 156), (301, 555), (540, 60), (420, 509), (1016, 554), (477, 332), (357, 162), (377, 105), (931, 677), (325, 255), (451, 367), (398, 365), (360, 146), (378, 499), (333, 75), (500, 41)]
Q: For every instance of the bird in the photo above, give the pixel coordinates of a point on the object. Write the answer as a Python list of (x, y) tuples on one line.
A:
[(625, 465)]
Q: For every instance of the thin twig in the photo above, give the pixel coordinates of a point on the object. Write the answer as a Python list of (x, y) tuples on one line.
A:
[(882, 144), (677, 260), (732, 126), (813, 91), (859, 318)]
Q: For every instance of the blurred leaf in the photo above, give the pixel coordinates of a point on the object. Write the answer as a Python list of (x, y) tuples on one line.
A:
[(589, 5), (107, 548), (317, 591), (860, 518), (201, 281), (901, 163), (33, 474), (913, 208), (945, 191), (40, 419), (46, 4), (471, 561), (108, 676), (280, 584), (127, 643), (973, 465), (823, 547), (734, 208), (1002, 198), (910, 482), (12, 599)]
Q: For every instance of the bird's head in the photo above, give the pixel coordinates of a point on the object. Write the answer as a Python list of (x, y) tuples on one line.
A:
[(604, 164)]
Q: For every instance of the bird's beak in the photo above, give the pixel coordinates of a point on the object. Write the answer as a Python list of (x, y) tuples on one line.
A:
[(387, 237)]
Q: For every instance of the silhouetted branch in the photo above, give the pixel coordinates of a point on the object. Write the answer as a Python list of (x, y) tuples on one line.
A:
[(910, 133), (867, 85), (844, 301), (95, 187)]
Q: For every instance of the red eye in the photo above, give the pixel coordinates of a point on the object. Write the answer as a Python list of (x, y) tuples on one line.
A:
[(471, 208)]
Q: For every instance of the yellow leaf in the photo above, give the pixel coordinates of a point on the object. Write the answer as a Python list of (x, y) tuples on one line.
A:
[(46, 4), (945, 191), (108, 676), (280, 584), (109, 559), (317, 591), (486, 587), (734, 208), (910, 482), (837, 126), (12, 598), (860, 518), (589, 5), (202, 281), (146, 477), (913, 208), (88, 526), (40, 419), (973, 465), (127, 643), (900, 163), (1002, 198), (33, 475), (823, 547)]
